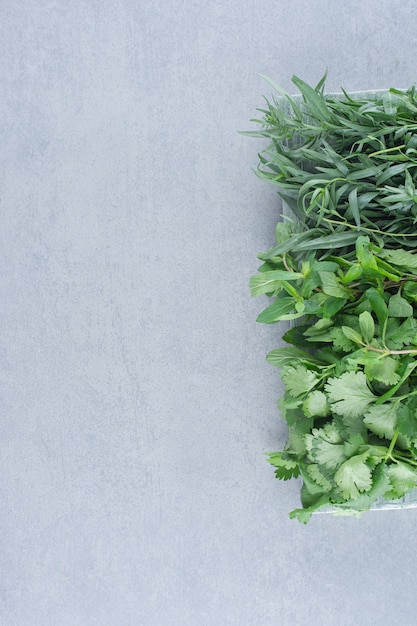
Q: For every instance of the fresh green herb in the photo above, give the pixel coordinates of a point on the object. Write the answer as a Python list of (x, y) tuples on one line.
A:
[(344, 165), (340, 268)]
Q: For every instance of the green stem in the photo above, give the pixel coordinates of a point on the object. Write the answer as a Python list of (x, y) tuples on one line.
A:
[(392, 444), (369, 230), (387, 351), (403, 458), (387, 150)]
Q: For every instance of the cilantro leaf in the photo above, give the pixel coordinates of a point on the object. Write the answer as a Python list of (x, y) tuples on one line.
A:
[(383, 369), (298, 427), (298, 379), (354, 476), (353, 444), (285, 468), (315, 405), (304, 515), (320, 476), (362, 502), (325, 447), (407, 418), (349, 394), (402, 477), (401, 258), (399, 307), (399, 335), (382, 419), (341, 341)]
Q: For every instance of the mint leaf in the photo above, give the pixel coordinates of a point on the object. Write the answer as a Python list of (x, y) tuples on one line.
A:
[(367, 326), (378, 305), (287, 356), (352, 334), (349, 394), (268, 282), (280, 310), (354, 476), (382, 419), (332, 306), (332, 286)]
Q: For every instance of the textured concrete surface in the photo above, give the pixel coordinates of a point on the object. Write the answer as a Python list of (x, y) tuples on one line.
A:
[(135, 399)]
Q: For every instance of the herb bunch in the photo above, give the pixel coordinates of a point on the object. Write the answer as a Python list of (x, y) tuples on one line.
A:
[(350, 371), (344, 165)]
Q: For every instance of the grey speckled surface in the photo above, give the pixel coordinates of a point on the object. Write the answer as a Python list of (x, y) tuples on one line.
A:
[(136, 401)]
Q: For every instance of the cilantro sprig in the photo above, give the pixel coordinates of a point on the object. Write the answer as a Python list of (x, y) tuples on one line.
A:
[(346, 270)]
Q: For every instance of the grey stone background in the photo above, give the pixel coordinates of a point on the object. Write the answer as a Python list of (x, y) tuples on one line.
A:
[(136, 401)]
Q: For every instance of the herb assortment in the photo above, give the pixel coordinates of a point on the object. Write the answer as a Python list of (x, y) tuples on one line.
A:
[(344, 267)]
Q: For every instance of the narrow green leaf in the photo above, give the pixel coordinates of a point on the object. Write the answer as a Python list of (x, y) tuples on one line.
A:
[(352, 334), (367, 326), (328, 242), (276, 312), (316, 102), (288, 356), (268, 282), (332, 286), (378, 305), (354, 207)]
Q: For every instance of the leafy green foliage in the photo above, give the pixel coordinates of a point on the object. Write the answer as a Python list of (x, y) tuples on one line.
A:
[(347, 164), (354, 476), (346, 269), (382, 419), (285, 468), (349, 394), (316, 405), (299, 380), (402, 477)]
